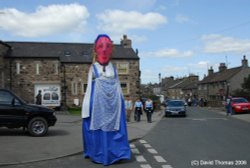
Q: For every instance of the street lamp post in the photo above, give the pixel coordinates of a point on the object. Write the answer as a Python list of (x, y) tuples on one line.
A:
[(228, 87)]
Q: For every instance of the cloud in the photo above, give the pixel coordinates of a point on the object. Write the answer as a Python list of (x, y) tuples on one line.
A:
[(172, 70), (168, 53), (120, 22), (45, 20), (182, 18), (215, 43), (139, 4), (149, 75), (199, 65)]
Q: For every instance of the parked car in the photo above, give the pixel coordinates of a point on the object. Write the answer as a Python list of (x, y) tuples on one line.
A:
[(16, 113), (175, 108), (240, 105)]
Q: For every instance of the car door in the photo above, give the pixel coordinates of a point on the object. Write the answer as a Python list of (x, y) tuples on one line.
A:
[(11, 109)]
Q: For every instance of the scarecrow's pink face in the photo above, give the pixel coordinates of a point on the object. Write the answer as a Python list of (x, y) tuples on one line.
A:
[(103, 49)]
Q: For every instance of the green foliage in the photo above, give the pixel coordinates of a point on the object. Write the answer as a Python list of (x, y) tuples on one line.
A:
[(246, 84), (75, 110), (240, 93)]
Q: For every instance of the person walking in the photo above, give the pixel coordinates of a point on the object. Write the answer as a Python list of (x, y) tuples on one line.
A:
[(138, 110), (129, 107), (229, 105), (149, 109), (39, 98)]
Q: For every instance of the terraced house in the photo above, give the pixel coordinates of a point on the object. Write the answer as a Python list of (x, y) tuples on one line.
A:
[(218, 85), (60, 70)]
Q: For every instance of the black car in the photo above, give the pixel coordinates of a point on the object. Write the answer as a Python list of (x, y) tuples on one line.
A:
[(16, 113), (175, 108)]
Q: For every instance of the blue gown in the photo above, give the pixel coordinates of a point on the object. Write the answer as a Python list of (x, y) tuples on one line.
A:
[(105, 147)]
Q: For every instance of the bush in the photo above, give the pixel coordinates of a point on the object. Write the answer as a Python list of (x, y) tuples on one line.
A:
[(75, 110)]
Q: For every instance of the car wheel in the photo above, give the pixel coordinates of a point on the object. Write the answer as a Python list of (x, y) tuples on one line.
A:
[(38, 126)]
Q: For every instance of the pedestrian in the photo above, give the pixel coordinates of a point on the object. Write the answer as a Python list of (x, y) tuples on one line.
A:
[(229, 105), (189, 101), (105, 137), (39, 98), (149, 109), (129, 107), (201, 102), (138, 107), (205, 102)]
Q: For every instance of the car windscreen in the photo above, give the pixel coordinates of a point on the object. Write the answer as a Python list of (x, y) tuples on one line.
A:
[(241, 100), (175, 103)]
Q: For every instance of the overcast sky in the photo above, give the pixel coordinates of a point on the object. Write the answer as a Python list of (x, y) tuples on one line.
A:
[(174, 37)]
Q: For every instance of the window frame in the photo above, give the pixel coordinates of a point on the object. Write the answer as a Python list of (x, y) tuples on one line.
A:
[(18, 68), (122, 70), (127, 91), (74, 88)]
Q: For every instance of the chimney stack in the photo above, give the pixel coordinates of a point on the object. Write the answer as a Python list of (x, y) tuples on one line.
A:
[(244, 62), (125, 42), (222, 67), (210, 71)]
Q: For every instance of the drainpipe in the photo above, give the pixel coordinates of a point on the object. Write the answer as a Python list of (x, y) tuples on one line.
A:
[(10, 66), (64, 88)]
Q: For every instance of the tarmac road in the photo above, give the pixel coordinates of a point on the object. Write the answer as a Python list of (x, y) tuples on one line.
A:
[(64, 139)]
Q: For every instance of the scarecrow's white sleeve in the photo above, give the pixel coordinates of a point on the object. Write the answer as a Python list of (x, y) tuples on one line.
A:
[(86, 100)]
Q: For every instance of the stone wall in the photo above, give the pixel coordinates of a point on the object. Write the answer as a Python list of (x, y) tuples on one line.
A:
[(69, 76), (23, 83), (3, 51)]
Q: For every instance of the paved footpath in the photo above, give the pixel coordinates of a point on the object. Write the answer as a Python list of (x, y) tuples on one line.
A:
[(64, 139), (244, 116)]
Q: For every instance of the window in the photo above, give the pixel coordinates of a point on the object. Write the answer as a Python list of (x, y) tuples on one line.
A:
[(122, 68), (125, 88), (2, 80), (74, 88), (18, 68), (55, 96), (37, 69), (5, 98), (56, 68), (46, 96), (84, 88)]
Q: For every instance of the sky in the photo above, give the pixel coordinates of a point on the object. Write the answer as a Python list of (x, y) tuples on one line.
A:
[(174, 37)]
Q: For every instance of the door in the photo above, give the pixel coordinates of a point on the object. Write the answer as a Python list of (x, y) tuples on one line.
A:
[(12, 111)]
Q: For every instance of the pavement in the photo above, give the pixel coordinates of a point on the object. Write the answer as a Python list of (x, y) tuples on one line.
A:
[(63, 139)]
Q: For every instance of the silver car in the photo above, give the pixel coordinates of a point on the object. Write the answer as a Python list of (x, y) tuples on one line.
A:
[(175, 108)]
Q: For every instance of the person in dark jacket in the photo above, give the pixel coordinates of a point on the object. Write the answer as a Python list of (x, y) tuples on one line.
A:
[(39, 98), (229, 105)]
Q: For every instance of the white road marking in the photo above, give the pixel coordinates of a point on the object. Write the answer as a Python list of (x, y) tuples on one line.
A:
[(205, 119), (143, 141), (140, 158), (153, 151), (132, 145), (147, 145), (135, 151), (199, 119), (160, 159), (145, 166)]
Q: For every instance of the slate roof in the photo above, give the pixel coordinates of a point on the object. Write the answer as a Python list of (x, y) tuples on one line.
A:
[(66, 52), (184, 83), (221, 76)]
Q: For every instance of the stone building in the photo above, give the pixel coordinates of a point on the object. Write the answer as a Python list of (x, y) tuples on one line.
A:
[(181, 88), (217, 85), (61, 68)]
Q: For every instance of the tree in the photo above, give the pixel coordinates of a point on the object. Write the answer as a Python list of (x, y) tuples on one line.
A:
[(246, 84)]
